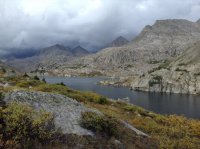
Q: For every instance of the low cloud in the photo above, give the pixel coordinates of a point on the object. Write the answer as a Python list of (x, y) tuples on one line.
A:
[(33, 24)]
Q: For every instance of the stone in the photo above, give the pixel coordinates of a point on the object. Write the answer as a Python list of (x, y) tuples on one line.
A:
[(67, 111)]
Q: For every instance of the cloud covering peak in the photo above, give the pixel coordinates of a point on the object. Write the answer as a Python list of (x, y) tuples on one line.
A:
[(32, 24)]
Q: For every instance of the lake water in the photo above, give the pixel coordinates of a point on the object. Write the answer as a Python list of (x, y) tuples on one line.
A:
[(187, 105)]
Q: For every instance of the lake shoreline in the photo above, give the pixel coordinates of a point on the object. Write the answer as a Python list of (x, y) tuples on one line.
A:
[(162, 103)]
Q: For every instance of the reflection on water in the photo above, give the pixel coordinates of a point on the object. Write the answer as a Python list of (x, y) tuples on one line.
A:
[(187, 105)]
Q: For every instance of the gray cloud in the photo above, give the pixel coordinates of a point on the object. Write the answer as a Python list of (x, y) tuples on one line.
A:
[(32, 24)]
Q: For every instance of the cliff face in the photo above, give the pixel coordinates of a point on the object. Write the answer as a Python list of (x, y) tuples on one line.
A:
[(181, 75)]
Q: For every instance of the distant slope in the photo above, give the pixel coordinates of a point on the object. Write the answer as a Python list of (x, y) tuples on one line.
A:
[(161, 41), (47, 58), (119, 41), (79, 51)]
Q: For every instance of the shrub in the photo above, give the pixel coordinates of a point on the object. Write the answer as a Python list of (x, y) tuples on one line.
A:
[(25, 75), (102, 100), (43, 80), (155, 80), (17, 119), (28, 83), (24, 125), (61, 83), (77, 95), (2, 103), (36, 78), (3, 70), (184, 70), (43, 126), (100, 123)]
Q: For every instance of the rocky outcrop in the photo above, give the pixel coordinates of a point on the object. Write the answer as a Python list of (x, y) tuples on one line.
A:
[(181, 75), (67, 112)]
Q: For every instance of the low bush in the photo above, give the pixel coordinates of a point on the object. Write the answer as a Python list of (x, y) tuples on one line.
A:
[(103, 100), (155, 80), (25, 75), (28, 83), (77, 95), (36, 78), (24, 126), (100, 123)]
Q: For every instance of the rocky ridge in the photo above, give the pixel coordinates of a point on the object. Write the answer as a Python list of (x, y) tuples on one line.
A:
[(164, 40), (48, 58), (181, 75)]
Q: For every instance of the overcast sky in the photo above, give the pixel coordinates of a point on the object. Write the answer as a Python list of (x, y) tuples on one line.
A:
[(28, 24)]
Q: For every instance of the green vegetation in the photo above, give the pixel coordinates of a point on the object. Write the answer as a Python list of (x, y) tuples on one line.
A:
[(165, 65), (103, 100), (91, 74), (61, 83), (43, 80), (155, 80), (168, 132), (197, 74), (100, 123), (182, 64), (109, 126), (78, 95), (23, 126), (36, 78), (184, 70), (25, 75), (3, 70)]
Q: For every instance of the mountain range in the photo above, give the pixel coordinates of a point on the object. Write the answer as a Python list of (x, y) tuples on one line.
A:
[(160, 51), (50, 57)]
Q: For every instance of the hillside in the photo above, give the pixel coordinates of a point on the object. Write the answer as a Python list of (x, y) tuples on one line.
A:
[(181, 75), (55, 116), (47, 58), (164, 40)]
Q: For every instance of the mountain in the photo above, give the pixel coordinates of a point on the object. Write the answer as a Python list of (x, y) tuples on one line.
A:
[(79, 51), (47, 58), (164, 40), (119, 41), (180, 75)]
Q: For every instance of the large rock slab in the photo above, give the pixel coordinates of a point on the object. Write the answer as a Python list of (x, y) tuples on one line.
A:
[(67, 111)]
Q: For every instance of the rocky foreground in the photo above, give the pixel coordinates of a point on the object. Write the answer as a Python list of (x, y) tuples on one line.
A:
[(66, 111)]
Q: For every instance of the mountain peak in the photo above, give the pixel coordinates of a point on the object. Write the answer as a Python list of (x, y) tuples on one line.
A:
[(58, 46), (79, 51), (119, 41)]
